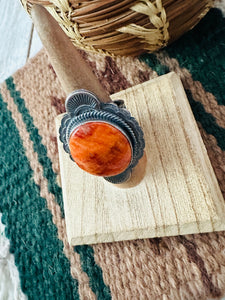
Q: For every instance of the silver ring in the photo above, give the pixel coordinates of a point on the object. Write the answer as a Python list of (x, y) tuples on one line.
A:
[(83, 107)]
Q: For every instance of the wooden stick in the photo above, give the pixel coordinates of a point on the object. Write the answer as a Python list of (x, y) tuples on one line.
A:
[(72, 70)]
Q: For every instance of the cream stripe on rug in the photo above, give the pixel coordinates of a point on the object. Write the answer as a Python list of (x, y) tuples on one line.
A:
[(10, 283)]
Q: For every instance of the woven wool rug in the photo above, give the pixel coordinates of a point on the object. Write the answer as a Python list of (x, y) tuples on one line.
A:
[(182, 267)]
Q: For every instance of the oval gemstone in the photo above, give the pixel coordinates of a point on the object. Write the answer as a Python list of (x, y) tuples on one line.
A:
[(100, 149)]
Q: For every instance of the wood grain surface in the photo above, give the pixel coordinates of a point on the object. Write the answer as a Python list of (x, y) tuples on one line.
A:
[(179, 193)]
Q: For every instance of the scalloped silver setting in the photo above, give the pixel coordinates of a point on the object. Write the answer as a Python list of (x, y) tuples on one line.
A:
[(83, 106)]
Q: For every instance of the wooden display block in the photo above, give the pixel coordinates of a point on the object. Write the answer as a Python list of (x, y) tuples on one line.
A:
[(178, 194)]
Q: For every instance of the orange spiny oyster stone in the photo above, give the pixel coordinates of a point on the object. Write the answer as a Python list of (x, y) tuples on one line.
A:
[(100, 149)]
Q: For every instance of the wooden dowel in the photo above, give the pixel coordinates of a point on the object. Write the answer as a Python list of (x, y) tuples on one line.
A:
[(72, 70)]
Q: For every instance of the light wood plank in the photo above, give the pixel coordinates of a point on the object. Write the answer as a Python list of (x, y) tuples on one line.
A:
[(179, 193), (15, 31)]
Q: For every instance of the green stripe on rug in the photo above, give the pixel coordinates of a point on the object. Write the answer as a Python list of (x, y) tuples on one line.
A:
[(87, 257), (94, 272), (152, 61), (206, 119), (39, 148), (192, 51), (44, 270), (202, 52)]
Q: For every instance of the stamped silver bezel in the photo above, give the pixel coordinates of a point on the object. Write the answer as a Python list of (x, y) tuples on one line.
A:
[(87, 108)]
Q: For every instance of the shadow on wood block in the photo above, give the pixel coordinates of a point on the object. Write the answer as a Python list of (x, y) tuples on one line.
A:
[(178, 194)]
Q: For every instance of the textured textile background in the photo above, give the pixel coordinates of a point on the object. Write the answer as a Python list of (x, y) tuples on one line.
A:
[(182, 267)]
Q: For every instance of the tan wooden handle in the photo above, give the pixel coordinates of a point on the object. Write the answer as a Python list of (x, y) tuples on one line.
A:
[(72, 70)]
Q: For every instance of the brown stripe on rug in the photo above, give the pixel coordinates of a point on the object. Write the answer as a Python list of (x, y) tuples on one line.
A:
[(207, 245), (202, 249), (117, 73), (108, 73), (135, 269), (134, 70), (207, 99), (74, 258), (190, 247)]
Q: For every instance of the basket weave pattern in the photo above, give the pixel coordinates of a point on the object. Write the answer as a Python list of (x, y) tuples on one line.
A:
[(124, 27)]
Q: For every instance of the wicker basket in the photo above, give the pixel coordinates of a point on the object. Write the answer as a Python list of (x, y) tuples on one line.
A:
[(124, 27)]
